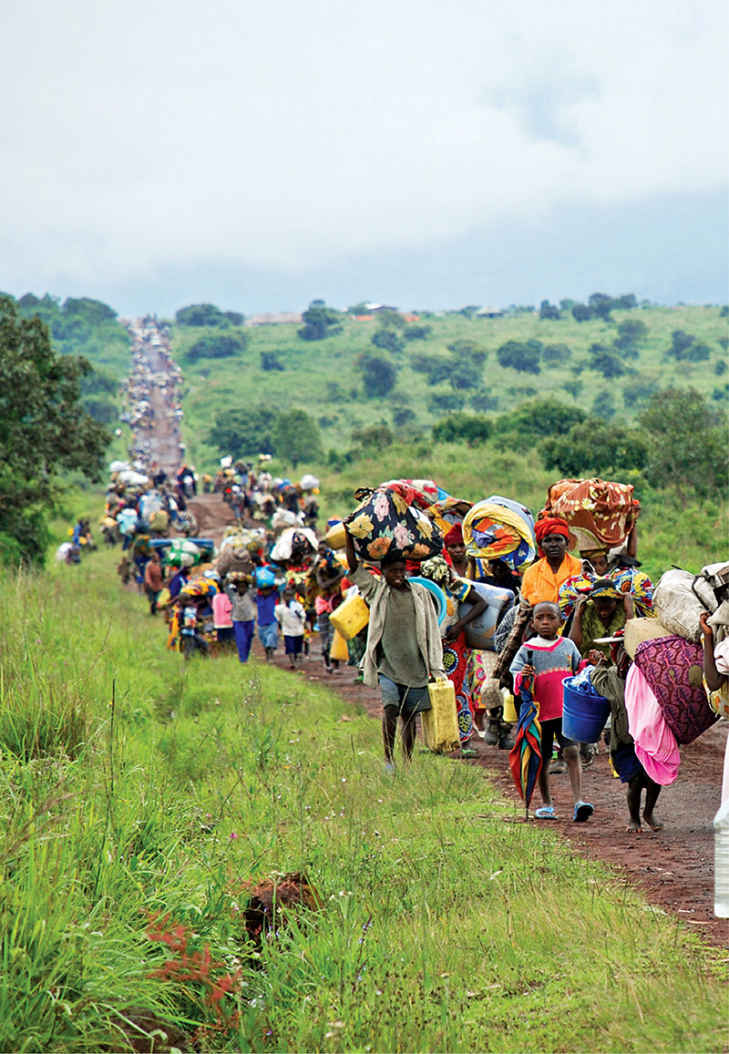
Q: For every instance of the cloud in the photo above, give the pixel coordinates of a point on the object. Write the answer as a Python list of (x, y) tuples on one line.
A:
[(288, 135)]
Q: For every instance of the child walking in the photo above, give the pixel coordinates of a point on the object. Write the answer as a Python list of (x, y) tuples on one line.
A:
[(549, 659), (291, 618)]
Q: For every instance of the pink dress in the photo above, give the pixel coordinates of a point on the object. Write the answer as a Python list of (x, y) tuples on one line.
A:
[(655, 744)]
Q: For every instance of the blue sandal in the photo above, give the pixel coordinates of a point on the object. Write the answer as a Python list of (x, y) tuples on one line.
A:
[(546, 813)]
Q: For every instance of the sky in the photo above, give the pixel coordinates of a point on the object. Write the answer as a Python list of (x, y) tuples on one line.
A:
[(409, 152)]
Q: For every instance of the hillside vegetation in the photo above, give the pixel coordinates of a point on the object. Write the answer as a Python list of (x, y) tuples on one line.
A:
[(419, 370), (139, 796)]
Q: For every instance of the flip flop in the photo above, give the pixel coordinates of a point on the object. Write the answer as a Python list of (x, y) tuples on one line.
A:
[(583, 811), (546, 812), (469, 752)]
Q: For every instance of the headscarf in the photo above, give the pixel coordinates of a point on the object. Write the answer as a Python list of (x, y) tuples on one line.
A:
[(551, 525), (454, 536), (604, 587)]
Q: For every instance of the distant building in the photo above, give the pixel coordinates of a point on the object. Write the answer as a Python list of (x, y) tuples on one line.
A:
[(490, 312), (270, 318)]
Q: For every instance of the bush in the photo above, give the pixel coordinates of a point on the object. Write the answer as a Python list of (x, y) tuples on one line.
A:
[(483, 401), (543, 417), (373, 437), (402, 415), (378, 374), (720, 367), (603, 405), (605, 361), (417, 332), (443, 402), (555, 353), (549, 311), (271, 361), (218, 346), (389, 340), (594, 448), (581, 313), (470, 350), (320, 321), (201, 315), (436, 367), (638, 391), (472, 428), (519, 356)]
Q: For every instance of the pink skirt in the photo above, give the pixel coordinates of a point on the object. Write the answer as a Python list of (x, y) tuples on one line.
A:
[(655, 744)]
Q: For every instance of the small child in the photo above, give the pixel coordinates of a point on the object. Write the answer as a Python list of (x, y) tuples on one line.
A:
[(549, 659), (223, 619), (291, 618)]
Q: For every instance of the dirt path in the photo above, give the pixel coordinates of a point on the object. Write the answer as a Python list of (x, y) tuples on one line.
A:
[(674, 867)]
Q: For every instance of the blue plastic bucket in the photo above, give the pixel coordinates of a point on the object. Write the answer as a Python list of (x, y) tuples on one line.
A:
[(584, 713)]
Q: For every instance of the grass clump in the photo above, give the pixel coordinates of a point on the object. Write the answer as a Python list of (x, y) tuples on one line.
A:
[(126, 870)]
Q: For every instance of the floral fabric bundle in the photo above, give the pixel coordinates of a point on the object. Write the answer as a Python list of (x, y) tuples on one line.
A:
[(384, 523)]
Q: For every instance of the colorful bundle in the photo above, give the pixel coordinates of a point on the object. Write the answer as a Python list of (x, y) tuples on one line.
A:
[(600, 514), (384, 523), (500, 529), (448, 513), (420, 492)]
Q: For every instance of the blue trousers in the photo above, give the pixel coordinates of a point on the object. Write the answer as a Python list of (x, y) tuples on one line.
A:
[(244, 637)]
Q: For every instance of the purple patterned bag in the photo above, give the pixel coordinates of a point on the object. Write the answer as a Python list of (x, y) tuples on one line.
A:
[(673, 668)]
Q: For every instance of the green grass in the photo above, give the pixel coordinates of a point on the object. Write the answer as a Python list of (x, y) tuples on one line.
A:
[(215, 384), (443, 926)]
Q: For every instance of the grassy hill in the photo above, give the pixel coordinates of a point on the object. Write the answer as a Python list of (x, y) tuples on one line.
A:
[(323, 377)]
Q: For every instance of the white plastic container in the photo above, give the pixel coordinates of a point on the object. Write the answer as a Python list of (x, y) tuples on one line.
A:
[(721, 862)]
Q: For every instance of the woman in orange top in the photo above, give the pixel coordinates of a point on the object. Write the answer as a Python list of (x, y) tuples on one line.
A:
[(540, 582)]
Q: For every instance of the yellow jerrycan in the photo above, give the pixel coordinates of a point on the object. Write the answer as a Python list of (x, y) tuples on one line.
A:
[(440, 725), (351, 616)]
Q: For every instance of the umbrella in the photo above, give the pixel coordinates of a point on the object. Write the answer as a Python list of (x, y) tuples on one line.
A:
[(525, 757)]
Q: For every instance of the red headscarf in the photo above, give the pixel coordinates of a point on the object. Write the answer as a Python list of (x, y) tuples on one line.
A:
[(454, 536), (551, 525)]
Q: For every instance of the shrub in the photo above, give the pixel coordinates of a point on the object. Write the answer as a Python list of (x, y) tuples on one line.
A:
[(472, 428), (389, 340), (217, 346), (201, 315), (378, 374), (720, 367), (519, 356), (483, 401), (417, 332), (554, 353), (271, 361), (595, 447)]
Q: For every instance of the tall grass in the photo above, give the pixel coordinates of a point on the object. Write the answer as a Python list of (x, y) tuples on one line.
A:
[(445, 926)]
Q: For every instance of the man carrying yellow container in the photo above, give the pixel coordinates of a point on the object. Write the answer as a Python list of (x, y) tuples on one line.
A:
[(404, 649)]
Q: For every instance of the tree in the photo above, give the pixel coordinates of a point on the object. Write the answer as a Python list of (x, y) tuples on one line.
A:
[(605, 361), (201, 315), (243, 432), (388, 339), (698, 352), (483, 401), (554, 353), (474, 353), (402, 415), (296, 437), (544, 417), (680, 344), (601, 305), (595, 448), (581, 313), (320, 321), (44, 432), (271, 361), (687, 443), (573, 387), (720, 367), (90, 311), (638, 391), (217, 346), (472, 428), (373, 437), (417, 332), (378, 374), (549, 311), (235, 318), (630, 332), (603, 405), (519, 356)]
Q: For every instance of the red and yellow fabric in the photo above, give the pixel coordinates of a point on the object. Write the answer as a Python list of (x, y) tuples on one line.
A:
[(600, 513)]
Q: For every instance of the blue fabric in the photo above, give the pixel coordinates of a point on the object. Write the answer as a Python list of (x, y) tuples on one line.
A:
[(406, 699), (266, 607), (293, 645), (244, 638), (268, 634)]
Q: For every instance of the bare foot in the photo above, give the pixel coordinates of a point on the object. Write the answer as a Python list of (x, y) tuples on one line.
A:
[(653, 823), (634, 827)]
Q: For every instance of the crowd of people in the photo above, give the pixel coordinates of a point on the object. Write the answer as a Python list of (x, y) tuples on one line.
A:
[(416, 588)]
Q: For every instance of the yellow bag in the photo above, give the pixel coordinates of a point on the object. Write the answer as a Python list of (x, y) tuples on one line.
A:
[(336, 536), (351, 616), (440, 725), (338, 649)]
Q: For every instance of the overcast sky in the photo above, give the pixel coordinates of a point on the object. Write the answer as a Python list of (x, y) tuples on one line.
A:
[(409, 151)]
